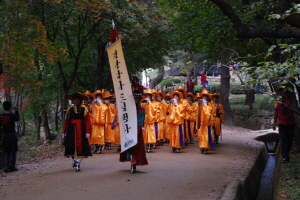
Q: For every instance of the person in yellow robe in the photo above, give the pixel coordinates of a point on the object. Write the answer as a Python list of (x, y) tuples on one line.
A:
[(176, 125), (109, 118), (205, 109), (190, 119), (185, 103), (218, 116), (151, 115), (167, 129), (98, 123), (116, 126), (161, 120)]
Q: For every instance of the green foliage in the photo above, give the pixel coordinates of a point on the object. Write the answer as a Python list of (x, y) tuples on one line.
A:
[(170, 82)]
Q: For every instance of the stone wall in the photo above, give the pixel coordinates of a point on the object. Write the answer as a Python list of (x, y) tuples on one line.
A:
[(254, 120)]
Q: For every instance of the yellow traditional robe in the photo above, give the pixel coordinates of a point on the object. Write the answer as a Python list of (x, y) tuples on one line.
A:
[(176, 125), (98, 125), (110, 116), (117, 130), (151, 115), (205, 132), (167, 124), (161, 120), (218, 119), (190, 121)]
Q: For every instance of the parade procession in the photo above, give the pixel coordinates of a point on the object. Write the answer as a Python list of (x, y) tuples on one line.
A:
[(174, 119), (137, 119)]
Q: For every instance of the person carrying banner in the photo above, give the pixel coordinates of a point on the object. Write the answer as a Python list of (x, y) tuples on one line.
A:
[(176, 125), (217, 116), (151, 115), (136, 154), (205, 135), (98, 123), (109, 118), (190, 118), (76, 130)]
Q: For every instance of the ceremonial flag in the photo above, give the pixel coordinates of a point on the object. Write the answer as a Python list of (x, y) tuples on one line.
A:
[(124, 98)]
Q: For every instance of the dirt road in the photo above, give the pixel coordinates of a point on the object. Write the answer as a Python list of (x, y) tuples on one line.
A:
[(185, 175)]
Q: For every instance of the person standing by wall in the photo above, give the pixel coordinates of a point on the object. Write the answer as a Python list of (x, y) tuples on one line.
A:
[(284, 117), (10, 136)]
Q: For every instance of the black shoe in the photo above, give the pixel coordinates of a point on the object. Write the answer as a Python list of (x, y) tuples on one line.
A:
[(77, 167), (201, 150), (13, 169), (7, 170), (177, 150), (74, 164), (284, 160), (173, 149), (217, 142), (133, 169)]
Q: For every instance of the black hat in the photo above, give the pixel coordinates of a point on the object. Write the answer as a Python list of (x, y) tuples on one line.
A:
[(136, 93), (77, 95)]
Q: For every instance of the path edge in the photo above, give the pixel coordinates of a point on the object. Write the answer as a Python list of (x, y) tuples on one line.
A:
[(247, 188)]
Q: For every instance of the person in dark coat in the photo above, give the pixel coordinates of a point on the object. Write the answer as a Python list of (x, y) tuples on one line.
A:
[(10, 136), (136, 154), (76, 130)]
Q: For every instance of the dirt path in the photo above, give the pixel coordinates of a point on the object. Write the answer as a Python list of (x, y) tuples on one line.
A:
[(188, 175)]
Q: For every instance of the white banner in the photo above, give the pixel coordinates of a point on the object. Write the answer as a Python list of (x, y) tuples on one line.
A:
[(124, 98)]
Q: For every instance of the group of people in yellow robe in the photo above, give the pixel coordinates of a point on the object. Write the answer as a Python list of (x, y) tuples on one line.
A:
[(179, 116), (176, 118), (103, 117)]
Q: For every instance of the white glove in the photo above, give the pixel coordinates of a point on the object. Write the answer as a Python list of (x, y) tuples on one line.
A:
[(63, 135), (87, 135), (148, 100), (106, 101), (99, 100), (175, 102), (204, 102)]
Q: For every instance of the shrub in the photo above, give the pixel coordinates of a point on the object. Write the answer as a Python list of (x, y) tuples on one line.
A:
[(169, 82)]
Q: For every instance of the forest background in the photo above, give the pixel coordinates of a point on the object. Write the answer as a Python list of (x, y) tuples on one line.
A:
[(51, 48)]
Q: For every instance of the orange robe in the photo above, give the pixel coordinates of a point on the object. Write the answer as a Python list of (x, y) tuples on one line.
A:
[(110, 116), (117, 130), (176, 125), (190, 121), (161, 120), (218, 118), (98, 125), (151, 115), (167, 124), (205, 132)]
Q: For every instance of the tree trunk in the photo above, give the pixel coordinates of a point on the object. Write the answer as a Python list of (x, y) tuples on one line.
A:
[(100, 64), (38, 127), (46, 123), (225, 87), (154, 82), (56, 114), (250, 97), (294, 104)]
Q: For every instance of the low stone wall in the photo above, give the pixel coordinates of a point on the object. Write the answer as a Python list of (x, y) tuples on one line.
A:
[(248, 188), (255, 120)]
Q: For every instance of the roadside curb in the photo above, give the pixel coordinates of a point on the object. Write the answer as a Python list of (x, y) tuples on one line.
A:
[(248, 188)]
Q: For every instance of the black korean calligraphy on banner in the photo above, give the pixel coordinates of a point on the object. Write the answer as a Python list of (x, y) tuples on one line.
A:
[(125, 101)]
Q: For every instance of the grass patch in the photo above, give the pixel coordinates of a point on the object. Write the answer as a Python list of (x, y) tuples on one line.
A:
[(262, 102), (289, 178)]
